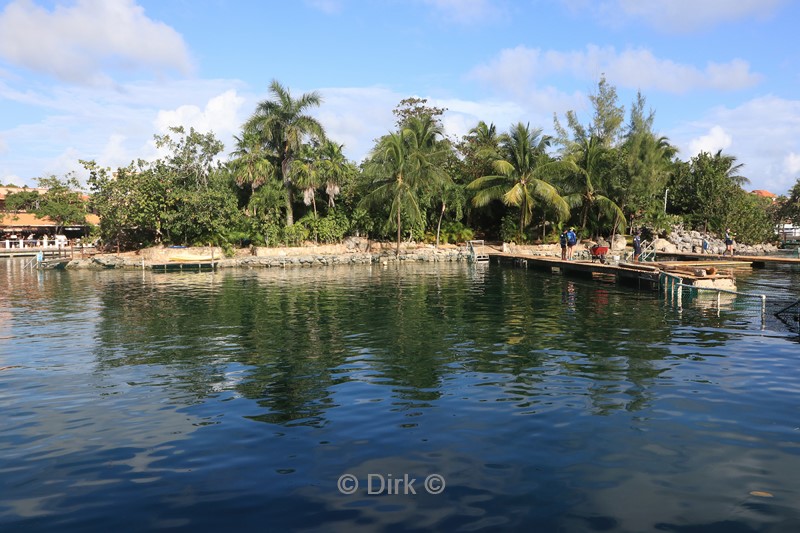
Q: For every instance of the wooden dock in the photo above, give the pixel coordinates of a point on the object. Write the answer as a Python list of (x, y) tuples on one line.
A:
[(643, 275), (184, 266), (756, 260)]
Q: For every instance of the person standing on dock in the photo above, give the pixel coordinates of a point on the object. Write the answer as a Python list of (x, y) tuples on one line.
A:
[(572, 240), (563, 240), (637, 246), (728, 242)]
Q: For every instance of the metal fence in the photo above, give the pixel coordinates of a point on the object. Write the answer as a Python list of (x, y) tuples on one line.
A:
[(682, 295)]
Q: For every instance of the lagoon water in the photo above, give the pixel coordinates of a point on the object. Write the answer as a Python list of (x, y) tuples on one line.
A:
[(242, 400)]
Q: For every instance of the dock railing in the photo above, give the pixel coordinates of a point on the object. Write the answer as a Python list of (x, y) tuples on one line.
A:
[(477, 251), (674, 287)]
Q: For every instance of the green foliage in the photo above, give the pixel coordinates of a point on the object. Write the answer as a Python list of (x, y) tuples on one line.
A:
[(202, 216), (279, 128), (789, 208), (416, 108), (522, 177), (455, 232), (704, 190), (328, 229), (658, 221), (750, 218), (509, 230), (22, 201), (402, 167), (295, 235), (62, 202)]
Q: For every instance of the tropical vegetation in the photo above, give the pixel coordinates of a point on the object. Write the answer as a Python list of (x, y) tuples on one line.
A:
[(285, 182)]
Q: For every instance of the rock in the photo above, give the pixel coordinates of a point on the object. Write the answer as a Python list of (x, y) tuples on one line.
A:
[(618, 243), (664, 246)]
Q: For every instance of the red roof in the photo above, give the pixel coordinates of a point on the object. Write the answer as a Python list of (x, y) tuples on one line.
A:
[(29, 220), (765, 194)]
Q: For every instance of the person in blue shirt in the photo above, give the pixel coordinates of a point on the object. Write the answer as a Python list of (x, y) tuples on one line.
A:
[(563, 240), (637, 246), (728, 241), (572, 240)]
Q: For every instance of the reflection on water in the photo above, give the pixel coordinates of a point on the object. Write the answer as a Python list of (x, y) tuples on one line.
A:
[(205, 401)]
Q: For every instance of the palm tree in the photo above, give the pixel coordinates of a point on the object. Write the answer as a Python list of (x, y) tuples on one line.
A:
[(521, 175), (305, 174), (588, 163), (401, 165), (250, 165), (282, 125), (333, 169)]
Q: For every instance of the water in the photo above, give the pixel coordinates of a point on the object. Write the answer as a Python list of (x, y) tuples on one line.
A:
[(239, 399)]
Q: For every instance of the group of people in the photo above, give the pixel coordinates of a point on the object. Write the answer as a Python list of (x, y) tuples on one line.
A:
[(569, 239)]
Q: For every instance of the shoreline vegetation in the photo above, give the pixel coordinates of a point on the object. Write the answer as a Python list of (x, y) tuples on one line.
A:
[(285, 182), (354, 251)]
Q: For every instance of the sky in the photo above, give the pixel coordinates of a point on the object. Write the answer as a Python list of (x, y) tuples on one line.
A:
[(97, 79)]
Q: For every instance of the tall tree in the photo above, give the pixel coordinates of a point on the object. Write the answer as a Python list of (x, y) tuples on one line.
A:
[(282, 125), (250, 165), (62, 203), (589, 162), (703, 190), (401, 166), (522, 176), (334, 169)]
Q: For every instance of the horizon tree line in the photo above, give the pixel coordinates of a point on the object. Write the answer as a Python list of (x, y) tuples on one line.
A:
[(286, 182)]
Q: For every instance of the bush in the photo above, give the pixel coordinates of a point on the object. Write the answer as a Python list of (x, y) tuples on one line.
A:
[(454, 232), (509, 229), (294, 235)]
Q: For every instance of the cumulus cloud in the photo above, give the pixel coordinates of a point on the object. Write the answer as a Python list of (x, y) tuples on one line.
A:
[(518, 69), (116, 127), (220, 115), (762, 133), (715, 140), (80, 42)]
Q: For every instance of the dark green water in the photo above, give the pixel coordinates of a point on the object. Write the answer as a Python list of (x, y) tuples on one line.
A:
[(238, 400)]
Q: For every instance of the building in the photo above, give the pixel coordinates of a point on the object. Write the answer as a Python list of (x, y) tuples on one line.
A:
[(765, 194), (17, 226)]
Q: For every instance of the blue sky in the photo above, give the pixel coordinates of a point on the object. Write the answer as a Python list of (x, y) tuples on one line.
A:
[(96, 79)]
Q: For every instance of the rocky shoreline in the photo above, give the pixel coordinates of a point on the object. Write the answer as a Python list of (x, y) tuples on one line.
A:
[(356, 251), (270, 257)]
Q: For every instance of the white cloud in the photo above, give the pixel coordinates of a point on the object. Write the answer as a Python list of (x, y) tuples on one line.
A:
[(517, 70), (116, 127), (356, 116), (762, 133), (222, 115), (689, 15), (466, 11), (326, 6), (791, 163), (78, 43), (675, 16), (715, 140)]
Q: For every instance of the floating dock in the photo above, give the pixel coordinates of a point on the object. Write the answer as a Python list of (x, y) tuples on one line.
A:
[(755, 260), (643, 275)]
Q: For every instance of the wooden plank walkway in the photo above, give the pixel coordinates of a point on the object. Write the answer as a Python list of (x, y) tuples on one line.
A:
[(639, 273), (756, 260)]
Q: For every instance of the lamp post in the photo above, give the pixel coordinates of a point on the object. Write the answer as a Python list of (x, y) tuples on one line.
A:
[(665, 199)]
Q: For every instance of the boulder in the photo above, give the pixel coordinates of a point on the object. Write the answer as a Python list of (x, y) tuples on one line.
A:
[(664, 246), (618, 243)]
